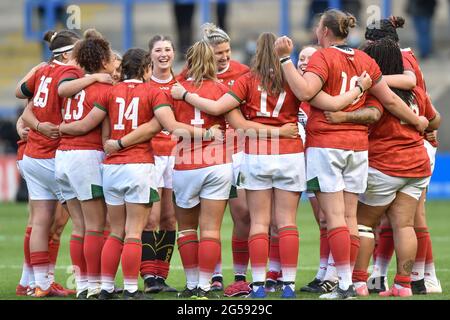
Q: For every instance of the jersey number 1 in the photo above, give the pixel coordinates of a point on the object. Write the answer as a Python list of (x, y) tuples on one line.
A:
[(352, 85)]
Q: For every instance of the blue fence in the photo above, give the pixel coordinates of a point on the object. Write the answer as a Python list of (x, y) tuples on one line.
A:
[(440, 181), (49, 7)]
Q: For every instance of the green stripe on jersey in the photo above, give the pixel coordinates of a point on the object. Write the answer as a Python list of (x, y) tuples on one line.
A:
[(25, 91), (235, 96), (161, 106), (100, 107), (313, 185)]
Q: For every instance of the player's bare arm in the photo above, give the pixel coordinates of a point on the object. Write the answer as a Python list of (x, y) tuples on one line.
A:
[(405, 81), (395, 105), (69, 88), (326, 102), (367, 115)]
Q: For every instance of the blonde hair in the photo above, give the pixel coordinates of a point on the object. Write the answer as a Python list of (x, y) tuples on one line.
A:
[(266, 64), (201, 62), (213, 34)]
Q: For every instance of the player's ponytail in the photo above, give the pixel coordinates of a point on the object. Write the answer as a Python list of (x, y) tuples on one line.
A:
[(388, 56), (201, 62), (60, 42), (385, 28), (266, 65), (338, 22), (213, 34)]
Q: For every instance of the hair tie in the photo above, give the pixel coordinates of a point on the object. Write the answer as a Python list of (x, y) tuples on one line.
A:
[(53, 36)]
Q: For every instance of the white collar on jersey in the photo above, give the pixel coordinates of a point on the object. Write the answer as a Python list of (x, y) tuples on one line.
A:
[(347, 50), (160, 80), (133, 80), (224, 70), (59, 62), (406, 49)]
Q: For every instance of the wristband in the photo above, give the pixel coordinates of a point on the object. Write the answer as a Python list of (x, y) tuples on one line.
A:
[(184, 95), (37, 127), (285, 59), (119, 142), (360, 88)]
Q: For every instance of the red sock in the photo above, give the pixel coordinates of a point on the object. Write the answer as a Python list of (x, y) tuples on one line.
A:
[(208, 254), (404, 281), (111, 252), (93, 245), (429, 255), (162, 268), (258, 246), (53, 249), (339, 240), (324, 245), (422, 244), (40, 263), (240, 255), (188, 248), (77, 255), (274, 253), (354, 249), (131, 261), (26, 246), (149, 267), (359, 276), (289, 247), (385, 248)]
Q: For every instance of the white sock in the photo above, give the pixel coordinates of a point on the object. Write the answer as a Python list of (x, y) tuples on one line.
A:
[(93, 283), (240, 270), (322, 269), (430, 271), (289, 274), (51, 272), (218, 270), (274, 265), (107, 284), (383, 266), (130, 285), (25, 278), (345, 276), (259, 274), (331, 273), (192, 278), (82, 283), (418, 271), (41, 276), (203, 280)]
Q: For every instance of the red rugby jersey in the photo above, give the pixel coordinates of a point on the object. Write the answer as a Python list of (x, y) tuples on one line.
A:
[(192, 154), (77, 108), (163, 143), (339, 69), (410, 63), (396, 148), (42, 87), (274, 110), (130, 104)]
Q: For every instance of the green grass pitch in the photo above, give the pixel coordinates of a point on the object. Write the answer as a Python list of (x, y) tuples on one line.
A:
[(13, 219)]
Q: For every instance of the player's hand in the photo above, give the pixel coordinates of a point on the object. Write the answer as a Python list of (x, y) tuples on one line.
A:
[(103, 78), (289, 130), (431, 136), (283, 46), (49, 130), (111, 146), (177, 91), (365, 81), (422, 124), (213, 133), (335, 117), (23, 133)]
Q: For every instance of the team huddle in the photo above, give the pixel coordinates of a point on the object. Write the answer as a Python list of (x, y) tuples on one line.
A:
[(140, 158)]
